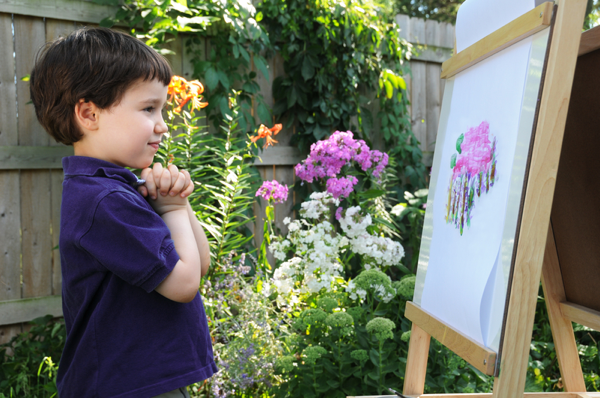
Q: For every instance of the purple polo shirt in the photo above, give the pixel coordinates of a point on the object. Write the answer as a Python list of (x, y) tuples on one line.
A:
[(123, 338)]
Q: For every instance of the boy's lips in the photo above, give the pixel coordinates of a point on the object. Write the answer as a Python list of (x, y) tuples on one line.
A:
[(154, 144)]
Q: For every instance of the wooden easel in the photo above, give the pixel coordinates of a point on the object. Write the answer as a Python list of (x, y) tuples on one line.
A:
[(536, 253)]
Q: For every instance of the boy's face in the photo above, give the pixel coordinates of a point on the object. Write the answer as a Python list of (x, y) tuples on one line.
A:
[(130, 132)]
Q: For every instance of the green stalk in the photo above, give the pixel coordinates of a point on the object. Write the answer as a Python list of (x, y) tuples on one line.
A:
[(380, 370)]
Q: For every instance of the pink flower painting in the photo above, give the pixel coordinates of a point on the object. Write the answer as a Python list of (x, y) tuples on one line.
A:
[(473, 174)]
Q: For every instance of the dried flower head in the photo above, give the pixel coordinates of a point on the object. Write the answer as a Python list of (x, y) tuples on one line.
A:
[(341, 321), (381, 328), (328, 304), (311, 354), (405, 287)]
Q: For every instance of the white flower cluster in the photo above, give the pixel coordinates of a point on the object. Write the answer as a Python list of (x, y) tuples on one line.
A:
[(356, 292), (316, 249), (354, 224), (318, 205), (377, 250)]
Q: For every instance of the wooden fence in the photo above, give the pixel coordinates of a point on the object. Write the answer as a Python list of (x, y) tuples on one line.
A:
[(30, 162)]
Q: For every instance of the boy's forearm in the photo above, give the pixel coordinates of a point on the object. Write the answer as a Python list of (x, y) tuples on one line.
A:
[(186, 275), (201, 241)]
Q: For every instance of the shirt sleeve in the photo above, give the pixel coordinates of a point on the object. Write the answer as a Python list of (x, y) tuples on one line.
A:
[(130, 240)]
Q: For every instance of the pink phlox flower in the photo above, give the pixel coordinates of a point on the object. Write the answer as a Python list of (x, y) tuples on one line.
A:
[(380, 160), (273, 190), (338, 213), (328, 157), (342, 186)]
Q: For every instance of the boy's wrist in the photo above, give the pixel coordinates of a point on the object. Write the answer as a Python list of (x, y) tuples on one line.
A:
[(162, 210)]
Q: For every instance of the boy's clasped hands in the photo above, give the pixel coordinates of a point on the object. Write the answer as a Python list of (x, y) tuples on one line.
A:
[(167, 188)]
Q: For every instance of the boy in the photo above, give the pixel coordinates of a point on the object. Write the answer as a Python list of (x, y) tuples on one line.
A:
[(131, 267)]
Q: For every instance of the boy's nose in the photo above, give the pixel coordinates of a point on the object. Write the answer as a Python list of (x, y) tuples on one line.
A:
[(161, 127)]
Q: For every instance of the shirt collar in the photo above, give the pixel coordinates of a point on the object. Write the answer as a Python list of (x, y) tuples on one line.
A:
[(92, 167)]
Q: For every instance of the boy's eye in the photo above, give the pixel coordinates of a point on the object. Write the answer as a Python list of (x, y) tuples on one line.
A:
[(149, 109)]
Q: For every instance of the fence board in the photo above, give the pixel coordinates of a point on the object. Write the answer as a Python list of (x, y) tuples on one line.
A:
[(433, 104), (54, 29), (432, 33), (56, 180), (30, 35), (419, 102), (10, 210), (417, 31)]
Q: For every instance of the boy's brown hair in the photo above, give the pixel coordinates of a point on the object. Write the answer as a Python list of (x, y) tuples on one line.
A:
[(94, 64)]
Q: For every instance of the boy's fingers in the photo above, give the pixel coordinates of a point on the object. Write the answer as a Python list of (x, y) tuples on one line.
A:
[(174, 175), (165, 182), (150, 185), (157, 171), (189, 185), (178, 185), (143, 191)]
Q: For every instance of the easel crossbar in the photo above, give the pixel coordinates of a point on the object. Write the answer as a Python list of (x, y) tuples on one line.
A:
[(524, 26), (481, 357), (581, 315)]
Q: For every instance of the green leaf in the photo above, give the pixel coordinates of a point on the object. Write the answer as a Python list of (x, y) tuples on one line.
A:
[(223, 79), (261, 64), (389, 89), (374, 355), (259, 16), (269, 212), (371, 194), (308, 71), (453, 161), (291, 101), (107, 22), (211, 78), (263, 113)]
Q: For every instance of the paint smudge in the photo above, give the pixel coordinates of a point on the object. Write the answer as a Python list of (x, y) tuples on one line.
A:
[(473, 173)]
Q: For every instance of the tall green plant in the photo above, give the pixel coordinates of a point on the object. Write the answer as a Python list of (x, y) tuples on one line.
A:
[(221, 167)]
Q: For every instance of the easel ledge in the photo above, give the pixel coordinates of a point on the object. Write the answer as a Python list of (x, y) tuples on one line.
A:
[(489, 395), (481, 357)]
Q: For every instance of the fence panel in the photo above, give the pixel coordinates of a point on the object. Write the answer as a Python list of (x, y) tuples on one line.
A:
[(30, 168)]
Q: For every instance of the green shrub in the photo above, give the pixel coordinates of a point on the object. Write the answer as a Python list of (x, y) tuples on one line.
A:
[(29, 361)]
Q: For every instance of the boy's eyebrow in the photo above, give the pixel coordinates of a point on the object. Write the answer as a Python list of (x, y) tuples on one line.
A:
[(154, 100)]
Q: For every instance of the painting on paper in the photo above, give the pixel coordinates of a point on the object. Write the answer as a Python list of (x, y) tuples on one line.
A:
[(474, 173)]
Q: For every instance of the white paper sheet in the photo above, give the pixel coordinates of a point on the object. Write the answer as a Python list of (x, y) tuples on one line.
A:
[(492, 92), (464, 281), (478, 18)]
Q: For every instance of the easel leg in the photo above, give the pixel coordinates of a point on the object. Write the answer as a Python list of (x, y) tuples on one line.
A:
[(416, 362), (562, 329)]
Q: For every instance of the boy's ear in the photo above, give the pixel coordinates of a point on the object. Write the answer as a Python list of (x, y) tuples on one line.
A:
[(87, 115)]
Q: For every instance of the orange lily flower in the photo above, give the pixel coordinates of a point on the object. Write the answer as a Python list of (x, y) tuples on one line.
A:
[(181, 92), (264, 132)]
